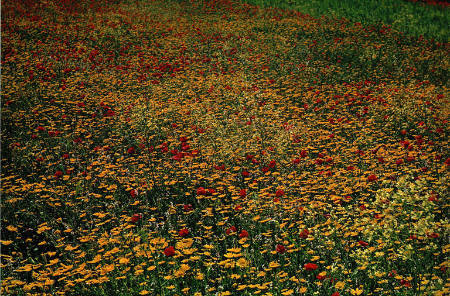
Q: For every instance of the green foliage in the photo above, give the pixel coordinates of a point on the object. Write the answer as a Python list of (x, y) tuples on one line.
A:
[(430, 21)]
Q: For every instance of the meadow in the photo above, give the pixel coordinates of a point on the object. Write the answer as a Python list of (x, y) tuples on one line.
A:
[(220, 148)]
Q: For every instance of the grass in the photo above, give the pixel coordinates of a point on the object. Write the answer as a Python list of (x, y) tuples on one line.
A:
[(219, 148), (412, 18)]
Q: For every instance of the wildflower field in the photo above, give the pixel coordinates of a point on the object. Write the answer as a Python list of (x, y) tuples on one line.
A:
[(220, 148)]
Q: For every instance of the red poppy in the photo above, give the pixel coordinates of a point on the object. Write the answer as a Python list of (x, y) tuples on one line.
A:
[(310, 266), (243, 234), (304, 233), (447, 162), (280, 249), (131, 150), (243, 193), (58, 174), (335, 294), (405, 283), (363, 243), (231, 230), (183, 232), (303, 153), (245, 174), (433, 235), (188, 207), (136, 217), (133, 193), (296, 161), (372, 178), (220, 168), (201, 191), (279, 193), (320, 277), (169, 251)]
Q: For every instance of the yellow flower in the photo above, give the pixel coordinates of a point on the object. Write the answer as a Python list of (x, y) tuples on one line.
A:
[(339, 285), (96, 259), (356, 291), (144, 292), (303, 290), (274, 264), (242, 262), (6, 242), (11, 228), (288, 292)]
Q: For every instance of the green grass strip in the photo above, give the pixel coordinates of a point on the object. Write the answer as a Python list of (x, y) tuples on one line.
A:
[(430, 21)]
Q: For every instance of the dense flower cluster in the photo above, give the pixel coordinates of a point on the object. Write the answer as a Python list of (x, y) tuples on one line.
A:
[(218, 148)]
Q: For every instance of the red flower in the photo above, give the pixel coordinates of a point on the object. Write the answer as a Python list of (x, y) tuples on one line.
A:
[(433, 235), (296, 161), (405, 283), (136, 217), (335, 294), (245, 174), (243, 193), (183, 232), (220, 168), (363, 243), (320, 277), (201, 191), (410, 158), (169, 251), (131, 150), (304, 233), (372, 178), (447, 162), (310, 266), (58, 174), (279, 193), (243, 234), (231, 230), (280, 249), (303, 153), (133, 193), (188, 207)]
